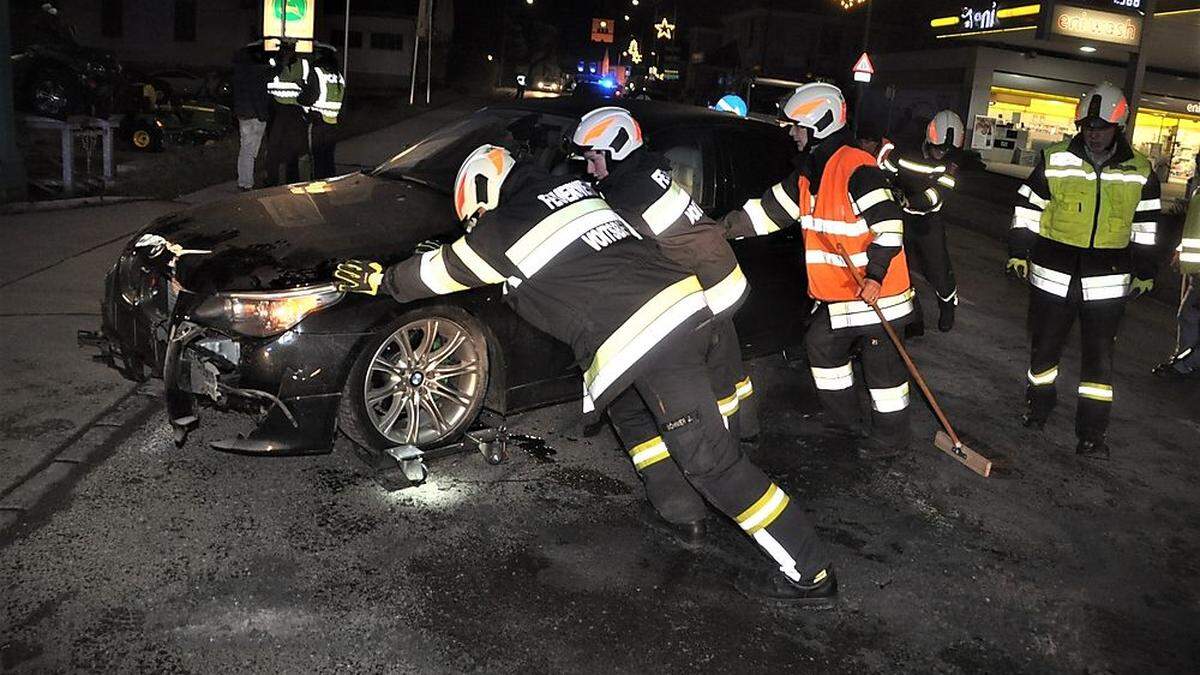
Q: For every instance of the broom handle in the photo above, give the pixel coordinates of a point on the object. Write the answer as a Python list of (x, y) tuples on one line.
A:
[(912, 367)]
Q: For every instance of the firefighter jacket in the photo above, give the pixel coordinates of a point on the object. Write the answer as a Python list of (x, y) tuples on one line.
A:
[(920, 182), (573, 268), (322, 94), (288, 83), (839, 196), (1100, 223), (1189, 246), (640, 188)]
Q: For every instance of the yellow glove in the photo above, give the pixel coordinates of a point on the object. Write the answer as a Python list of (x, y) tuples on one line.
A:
[(358, 276), (1140, 287), (1017, 267)]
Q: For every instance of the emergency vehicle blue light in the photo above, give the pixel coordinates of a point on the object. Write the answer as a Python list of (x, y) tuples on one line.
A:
[(608, 84)]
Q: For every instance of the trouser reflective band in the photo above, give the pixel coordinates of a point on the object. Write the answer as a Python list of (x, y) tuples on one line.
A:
[(761, 514), (745, 389), (728, 405), (1043, 378), (1105, 287), (834, 379), (891, 399), (649, 453), (1096, 391)]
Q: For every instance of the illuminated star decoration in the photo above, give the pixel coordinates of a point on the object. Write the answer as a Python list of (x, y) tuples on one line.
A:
[(665, 29)]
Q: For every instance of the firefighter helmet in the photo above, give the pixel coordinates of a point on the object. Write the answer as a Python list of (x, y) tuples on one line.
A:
[(945, 130), (817, 106), (1106, 103), (609, 129), (478, 182)]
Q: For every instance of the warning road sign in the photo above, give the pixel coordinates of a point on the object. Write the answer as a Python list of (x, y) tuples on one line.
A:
[(863, 68)]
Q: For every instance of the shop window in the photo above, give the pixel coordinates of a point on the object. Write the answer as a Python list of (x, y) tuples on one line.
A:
[(337, 37), (111, 14), (387, 41), (185, 20)]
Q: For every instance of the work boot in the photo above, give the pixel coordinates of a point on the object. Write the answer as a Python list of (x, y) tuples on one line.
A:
[(1032, 421), (1092, 449), (690, 535), (945, 316), (774, 586)]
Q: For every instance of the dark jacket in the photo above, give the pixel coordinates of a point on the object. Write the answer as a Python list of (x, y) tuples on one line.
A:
[(251, 72)]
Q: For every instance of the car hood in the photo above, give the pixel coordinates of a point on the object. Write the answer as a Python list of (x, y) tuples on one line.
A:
[(294, 235)]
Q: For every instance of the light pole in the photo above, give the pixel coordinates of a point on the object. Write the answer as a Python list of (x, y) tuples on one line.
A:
[(12, 170)]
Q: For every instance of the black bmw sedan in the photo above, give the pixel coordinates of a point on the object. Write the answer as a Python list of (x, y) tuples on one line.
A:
[(232, 304)]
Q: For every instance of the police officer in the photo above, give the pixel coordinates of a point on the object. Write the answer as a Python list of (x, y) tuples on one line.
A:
[(840, 196), (1185, 362), (322, 102), (922, 183), (1083, 234), (575, 269), (638, 184), (287, 134)]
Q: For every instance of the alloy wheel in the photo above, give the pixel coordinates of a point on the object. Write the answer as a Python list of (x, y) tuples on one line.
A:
[(423, 380), (50, 97)]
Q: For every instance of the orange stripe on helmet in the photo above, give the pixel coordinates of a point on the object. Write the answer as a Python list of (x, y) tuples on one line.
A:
[(805, 108), (461, 198), (1119, 110), (933, 131), (595, 131), (497, 158)]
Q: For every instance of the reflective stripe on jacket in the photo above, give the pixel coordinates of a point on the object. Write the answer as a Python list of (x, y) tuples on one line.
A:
[(1189, 246), (331, 89), (1089, 209), (288, 83)]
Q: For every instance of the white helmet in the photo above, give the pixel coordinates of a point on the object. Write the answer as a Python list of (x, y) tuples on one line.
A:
[(611, 129), (1104, 102), (945, 129), (817, 106), (478, 182)]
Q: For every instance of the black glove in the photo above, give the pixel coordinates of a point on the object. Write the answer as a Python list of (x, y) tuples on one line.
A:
[(358, 276)]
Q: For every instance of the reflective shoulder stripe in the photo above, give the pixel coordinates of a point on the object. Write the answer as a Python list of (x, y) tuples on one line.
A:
[(667, 209), (1064, 159), (478, 266), (785, 201), (531, 241), (1033, 197), (1048, 280), (726, 292), (1149, 204), (876, 196), (818, 257), (435, 275), (652, 322), (1105, 287), (758, 218)]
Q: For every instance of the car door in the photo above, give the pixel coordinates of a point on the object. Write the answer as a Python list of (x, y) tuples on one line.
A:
[(752, 157)]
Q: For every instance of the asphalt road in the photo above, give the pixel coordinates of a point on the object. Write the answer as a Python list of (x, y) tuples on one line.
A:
[(158, 559)]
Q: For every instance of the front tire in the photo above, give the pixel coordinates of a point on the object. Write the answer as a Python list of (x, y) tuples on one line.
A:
[(420, 381)]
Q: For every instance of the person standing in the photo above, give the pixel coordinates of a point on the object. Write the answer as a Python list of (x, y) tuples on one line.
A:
[(1083, 235), (637, 183), (922, 183), (287, 134), (251, 106), (575, 269), (1185, 362), (322, 103), (841, 197)]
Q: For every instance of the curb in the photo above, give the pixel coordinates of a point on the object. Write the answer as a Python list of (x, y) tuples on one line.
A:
[(63, 204), (70, 459)]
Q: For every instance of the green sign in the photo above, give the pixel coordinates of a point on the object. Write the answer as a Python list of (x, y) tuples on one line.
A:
[(295, 9)]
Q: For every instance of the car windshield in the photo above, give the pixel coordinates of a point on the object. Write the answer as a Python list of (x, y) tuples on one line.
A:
[(435, 159)]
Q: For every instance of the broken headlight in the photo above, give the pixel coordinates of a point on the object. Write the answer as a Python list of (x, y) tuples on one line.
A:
[(262, 314)]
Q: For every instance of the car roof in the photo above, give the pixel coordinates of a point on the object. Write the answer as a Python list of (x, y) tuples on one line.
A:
[(651, 115)]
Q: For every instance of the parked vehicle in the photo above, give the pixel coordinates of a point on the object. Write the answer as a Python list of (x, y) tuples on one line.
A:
[(231, 303), (57, 79)]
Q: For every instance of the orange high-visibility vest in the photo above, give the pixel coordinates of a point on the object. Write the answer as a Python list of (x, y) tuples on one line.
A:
[(830, 220)]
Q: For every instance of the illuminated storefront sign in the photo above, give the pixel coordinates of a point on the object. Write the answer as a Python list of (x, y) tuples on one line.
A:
[(1091, 24), (290, 18), (986, 17)]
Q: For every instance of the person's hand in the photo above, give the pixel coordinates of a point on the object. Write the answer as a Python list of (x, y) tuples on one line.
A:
[(1018, 268), (358, 276), (1140, 287), (870, 291)]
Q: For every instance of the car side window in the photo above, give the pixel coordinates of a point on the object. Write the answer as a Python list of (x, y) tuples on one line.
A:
[(686, 151), (757, 160)]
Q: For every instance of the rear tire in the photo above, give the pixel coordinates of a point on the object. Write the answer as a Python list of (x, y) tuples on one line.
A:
[(420, 381)]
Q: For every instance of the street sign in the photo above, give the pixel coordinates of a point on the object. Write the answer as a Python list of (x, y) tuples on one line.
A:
[(863, 68), (291, 19)]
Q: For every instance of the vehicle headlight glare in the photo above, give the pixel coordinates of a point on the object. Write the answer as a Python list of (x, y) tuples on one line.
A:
[(266, 314)]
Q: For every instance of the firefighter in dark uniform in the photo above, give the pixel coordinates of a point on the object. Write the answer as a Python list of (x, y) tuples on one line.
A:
[(321, 100), (922, 183), (574, 269), (840, 196), (1083, 234), (637, 183), (287, 134)]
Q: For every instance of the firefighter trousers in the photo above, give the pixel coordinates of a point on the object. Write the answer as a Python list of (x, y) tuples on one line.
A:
[(675, 391), (1187, 348), (1050, 322), (667, 490), (830, 356), (731, 384), (925, 241), (286, 142), (323, 145)]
